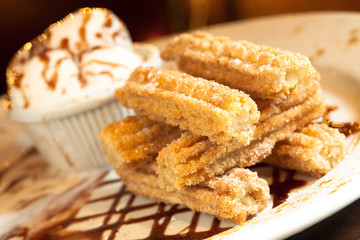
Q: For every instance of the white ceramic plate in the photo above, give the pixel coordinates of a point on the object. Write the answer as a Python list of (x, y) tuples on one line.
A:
[(35, 200)]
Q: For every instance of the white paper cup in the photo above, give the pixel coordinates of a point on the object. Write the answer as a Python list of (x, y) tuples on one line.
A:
[(70, 142)]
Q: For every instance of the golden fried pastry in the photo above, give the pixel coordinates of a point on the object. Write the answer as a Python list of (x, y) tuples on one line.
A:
[(135, 140), (193, 159), (284, 113), (315, 149), (270, 107), (205, 108), (261, 71), (232, 196)]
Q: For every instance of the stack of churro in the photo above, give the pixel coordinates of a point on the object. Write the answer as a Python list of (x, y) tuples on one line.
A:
[(196, 132), (315, 149)]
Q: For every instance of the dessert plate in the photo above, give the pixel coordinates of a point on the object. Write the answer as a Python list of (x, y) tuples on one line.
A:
[(35, 201)]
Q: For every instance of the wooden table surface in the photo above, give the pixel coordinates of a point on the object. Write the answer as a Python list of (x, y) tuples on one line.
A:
[(343, 225)]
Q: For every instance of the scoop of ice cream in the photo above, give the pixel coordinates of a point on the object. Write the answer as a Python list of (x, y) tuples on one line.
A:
[(74, 64)]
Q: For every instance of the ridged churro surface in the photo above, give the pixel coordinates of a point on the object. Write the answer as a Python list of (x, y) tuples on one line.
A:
[(284, 113), (232, 196), (193, 159), (134, 140), (205, 108), (315, 149), (236, 105), (261, 71)]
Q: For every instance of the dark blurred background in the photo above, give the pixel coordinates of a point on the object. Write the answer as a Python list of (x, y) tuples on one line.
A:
[(23, 20)]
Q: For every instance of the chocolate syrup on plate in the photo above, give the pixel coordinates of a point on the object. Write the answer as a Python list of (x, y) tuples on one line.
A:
[(161, 220), (281, 189), (346, 128)]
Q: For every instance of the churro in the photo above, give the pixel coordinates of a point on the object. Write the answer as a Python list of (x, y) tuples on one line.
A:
[(212, 132), (232, 196), (135, 140), (315, 149), (193, 159), (275, 116), (261, 71), (205, 108)]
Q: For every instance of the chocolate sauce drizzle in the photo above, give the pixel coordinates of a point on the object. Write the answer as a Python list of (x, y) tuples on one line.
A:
[(161, 220), (346, 128), (280, 189)]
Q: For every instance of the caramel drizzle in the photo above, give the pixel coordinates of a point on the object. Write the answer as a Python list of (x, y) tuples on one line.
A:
[(51, 83), (17, 80), (101, 73), (45, 60), (83, 44), (113, 65), (108, 20), (54, 78), (64, 44), (82, 33), (117, 34)]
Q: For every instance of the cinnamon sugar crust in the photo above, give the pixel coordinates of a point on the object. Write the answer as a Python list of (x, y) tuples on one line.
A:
[(193, 138), (315, 149), (232, 196), (193, 159), (205, 108), (261, 71), (135, 140)]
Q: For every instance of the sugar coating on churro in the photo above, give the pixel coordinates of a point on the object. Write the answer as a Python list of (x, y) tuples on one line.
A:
[(199, 135), (134, 140), (270, 107), (205, 108), (192, 159), (286, 113), (261, 71), (315, 149), (232, 196)]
